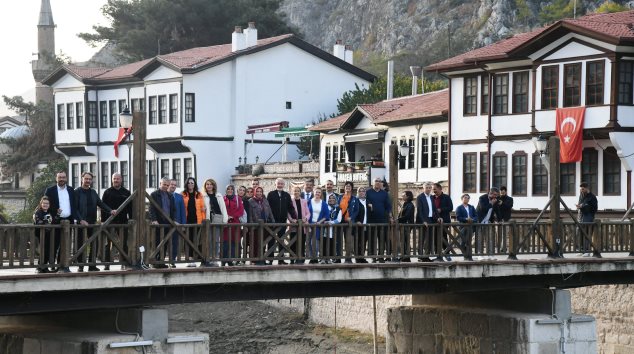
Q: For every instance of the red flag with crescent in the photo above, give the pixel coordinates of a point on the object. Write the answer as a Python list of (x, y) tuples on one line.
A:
[(123, 134), (570, 132)]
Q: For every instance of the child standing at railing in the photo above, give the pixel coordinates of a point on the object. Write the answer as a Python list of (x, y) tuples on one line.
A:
[(42, 216)]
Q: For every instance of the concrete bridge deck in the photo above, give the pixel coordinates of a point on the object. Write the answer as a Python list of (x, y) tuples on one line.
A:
[(22, 292)]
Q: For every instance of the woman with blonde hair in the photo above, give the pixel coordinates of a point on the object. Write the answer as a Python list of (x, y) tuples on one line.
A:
[(216, 212)]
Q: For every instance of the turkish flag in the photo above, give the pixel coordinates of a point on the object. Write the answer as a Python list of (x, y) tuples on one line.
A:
[(570, 132), (123, 134)]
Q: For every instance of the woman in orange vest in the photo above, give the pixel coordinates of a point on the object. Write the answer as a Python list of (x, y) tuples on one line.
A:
[(195, 211)]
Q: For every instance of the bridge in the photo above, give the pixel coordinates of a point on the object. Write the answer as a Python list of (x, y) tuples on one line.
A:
[(500, 259)]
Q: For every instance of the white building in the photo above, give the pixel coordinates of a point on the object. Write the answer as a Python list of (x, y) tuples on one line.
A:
[(587, 62), (199, 103), (354, 146)]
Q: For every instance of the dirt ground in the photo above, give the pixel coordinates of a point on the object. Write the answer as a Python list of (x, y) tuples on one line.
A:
[(250, 327)]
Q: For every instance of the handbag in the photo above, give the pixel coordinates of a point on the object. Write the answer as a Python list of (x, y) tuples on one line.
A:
[(216, 218)]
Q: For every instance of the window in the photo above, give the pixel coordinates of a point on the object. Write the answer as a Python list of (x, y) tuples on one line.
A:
[(153, 110), (80, 115), (411, 156), (342, 153), (289, 105), (122, 105), (151, 173), (74, 174), (70, 116), (92, 114), (520, 178), (590, 168), (114, 168), (190, 107), (103, 114), (520, 92), (485, 94), (173, 108), (104, 175), (434, 151), (444, 151), (93, 170), (113, 114), (611, 172), (83, 168), (162, 102), (424, 152), (335, 156), (138, 105), (499, 170), (165, 168), (567, 178), (540, 176), (124, 174), (501, 94), (550, 83), (625, 82), (401, 158), (572, 85), (61, 120), (484, 172), (469, 172), (328, 159), (189, 168), (176, 171), (594, 82), (470, 95)]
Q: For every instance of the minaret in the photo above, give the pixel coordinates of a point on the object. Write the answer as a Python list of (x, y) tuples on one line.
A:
[(45, 63)]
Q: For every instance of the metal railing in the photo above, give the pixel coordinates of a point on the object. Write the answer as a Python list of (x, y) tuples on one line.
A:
[(66, 245)]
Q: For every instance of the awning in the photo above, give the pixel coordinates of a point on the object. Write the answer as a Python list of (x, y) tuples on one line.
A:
[(267, 128), (166, 147), (74, 151), (377, 136), (295, 132)]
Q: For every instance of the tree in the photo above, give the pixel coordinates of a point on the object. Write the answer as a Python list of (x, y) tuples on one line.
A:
[(378, 91), (560, 9), (29, 150), (524, 13), (45, 179), (610, 6), (309, 145), (141, 29)]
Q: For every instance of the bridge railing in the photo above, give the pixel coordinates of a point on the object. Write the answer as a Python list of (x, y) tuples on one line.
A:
[(66, 245)]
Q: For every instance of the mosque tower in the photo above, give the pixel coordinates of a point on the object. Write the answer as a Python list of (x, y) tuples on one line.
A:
[(45, 62)]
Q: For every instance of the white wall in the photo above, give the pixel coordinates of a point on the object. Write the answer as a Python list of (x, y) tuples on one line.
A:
[(69, 135), (157, 131)]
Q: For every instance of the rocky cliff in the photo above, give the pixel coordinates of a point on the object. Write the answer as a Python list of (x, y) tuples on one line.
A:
[(414, 31)]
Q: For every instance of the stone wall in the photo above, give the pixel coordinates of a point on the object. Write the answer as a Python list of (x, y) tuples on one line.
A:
[(613, 308), (13, 201)]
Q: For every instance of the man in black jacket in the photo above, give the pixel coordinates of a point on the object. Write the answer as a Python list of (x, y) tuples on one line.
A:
[(87, 200), (488, 213), (62, 199), (166, 200), (587, 208), (114, 198), (282, 206), (425, 216), (504, 210), (442, 214)]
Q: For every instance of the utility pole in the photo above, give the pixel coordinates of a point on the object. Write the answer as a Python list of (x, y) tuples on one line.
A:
[(555, 193)]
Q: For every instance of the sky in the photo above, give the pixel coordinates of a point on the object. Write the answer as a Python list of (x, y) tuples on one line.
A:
[(18, 36)]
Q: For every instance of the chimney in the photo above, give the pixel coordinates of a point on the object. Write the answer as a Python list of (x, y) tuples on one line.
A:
[(251, 35), (237, 40), (390, 79), (348, 54), (339, 50), (416, 71)]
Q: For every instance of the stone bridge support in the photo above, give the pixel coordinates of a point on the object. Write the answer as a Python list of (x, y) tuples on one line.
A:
[(123, 331), (536, 321)]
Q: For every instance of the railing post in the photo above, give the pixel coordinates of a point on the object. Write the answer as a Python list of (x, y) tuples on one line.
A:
[(597, 238), (513, 240), (438, 237), (631, 233), (395, 237), (260, 249), (349, 242), (299, 242), (64, 248), (133, 256), (206, 243)]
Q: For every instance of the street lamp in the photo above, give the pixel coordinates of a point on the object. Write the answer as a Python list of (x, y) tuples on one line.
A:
[(541, 146), (403, 149), (125, 118)]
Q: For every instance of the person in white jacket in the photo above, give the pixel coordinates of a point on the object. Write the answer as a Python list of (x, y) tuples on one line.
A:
[(216, 214)]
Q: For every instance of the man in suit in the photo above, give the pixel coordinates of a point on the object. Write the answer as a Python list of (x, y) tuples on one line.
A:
[(361, 232), (307, 193), (488, 212), (442, 214), (281, 206), (504, 210), (179, 204), (87, 200), (168, 205), (587, 207), (424, 215), (114, 197), (62, 199), (466, 214)]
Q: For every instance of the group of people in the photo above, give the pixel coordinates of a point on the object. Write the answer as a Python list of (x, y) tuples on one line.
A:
[(316, 207)]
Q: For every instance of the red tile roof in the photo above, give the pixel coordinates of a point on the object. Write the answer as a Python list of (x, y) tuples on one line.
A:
[(124, 71), (616, 27), (432, 104), (83, 72)]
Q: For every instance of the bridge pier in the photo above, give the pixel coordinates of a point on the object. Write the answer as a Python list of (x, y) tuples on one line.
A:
[(97, 332), (519, 321)]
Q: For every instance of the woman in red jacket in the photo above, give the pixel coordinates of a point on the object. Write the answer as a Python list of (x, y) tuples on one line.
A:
[(232, 233), (194, 212)]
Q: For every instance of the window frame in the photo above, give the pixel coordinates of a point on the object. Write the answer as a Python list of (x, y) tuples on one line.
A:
[(444, 150), (576, 67), (125, 177), (435, 149), (538, 172), (470, 96), (93, 114), (165, 169), (79, 115), (484, 99), (162, 109), (177, 171), (70, 116), (411, 154), (153, 116), (609, 155), (627, 84), (112, 106), (499, 156), (598, 85), (552, 89), (328, 158), (522, 78), (188, 168), (424, 152), (501, 99), (483, 173), (105, 165), (61, 116), (190, 107), (590, 168), (516, 173), (469, 168), (173, 108), (563, 175)]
